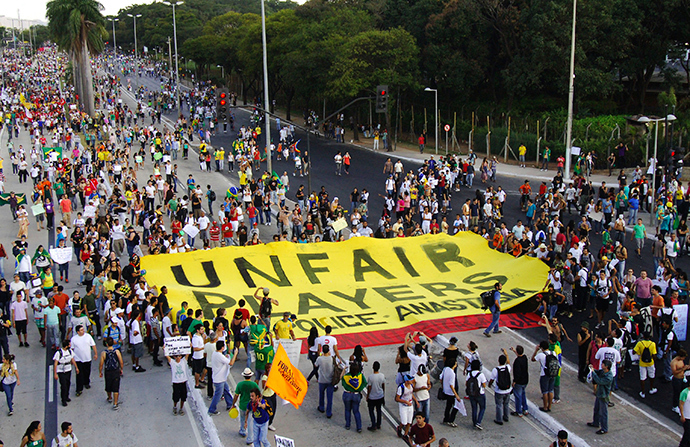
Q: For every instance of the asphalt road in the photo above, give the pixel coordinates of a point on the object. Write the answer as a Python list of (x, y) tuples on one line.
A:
[(366, 172)]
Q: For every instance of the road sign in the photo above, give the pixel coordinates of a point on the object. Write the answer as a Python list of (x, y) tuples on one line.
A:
[(446, 127)]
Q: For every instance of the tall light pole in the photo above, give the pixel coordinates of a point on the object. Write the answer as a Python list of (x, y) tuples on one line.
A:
[(269, 162), (428, 89), (656, 121), (571, 97), (177, 64), (134, 16), (114, 38)]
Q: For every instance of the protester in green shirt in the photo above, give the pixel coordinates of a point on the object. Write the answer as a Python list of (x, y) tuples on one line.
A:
[(242, 391), (639, 235)]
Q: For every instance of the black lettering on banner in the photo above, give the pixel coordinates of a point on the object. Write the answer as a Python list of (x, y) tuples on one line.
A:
[(342, 319), (358, 299), (305, 304), (245, 267), (304, 325), (397, 293), (454, 305), (251, 301), (420, 307), (402, 257), (372, 266), (515, 293), (442, 253), (207, 305), (367, 319), (309, 270), (482, 277), (403, 312), (209, 270), (438, 307), (336, 322), (440, 288)]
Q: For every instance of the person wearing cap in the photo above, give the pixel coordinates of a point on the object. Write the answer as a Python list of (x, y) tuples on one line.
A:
[(407, 402), (266, 306), (242, 395), (38, 304), (562, 440)]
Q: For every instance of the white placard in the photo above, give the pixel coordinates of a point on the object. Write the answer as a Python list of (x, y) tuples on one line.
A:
[(574, 150), (190, 230), (460, 406), (284, 442), (292, 349), (339, 224), (179, 345), (681, 327), (61, 255)]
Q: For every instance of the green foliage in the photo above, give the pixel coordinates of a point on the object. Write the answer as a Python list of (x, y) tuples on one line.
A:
[(667, 98), (74, 24)]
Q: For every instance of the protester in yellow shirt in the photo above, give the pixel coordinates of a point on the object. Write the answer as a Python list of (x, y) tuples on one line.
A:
[(283, 328)]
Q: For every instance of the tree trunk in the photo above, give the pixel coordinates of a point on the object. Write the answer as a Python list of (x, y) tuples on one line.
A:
[(87, 80), (76, 81)]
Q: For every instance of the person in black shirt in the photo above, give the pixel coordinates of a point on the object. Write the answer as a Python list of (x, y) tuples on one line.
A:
[(520, 381), (403, 362), (584, 337)]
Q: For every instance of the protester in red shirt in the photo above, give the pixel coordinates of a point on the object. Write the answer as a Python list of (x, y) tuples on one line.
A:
[(214, 232), (226, 229)]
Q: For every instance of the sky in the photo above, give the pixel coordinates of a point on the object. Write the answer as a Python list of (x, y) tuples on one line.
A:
[(36, 9)]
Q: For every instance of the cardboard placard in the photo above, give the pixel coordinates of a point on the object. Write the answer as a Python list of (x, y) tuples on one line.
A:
[(180, 345)]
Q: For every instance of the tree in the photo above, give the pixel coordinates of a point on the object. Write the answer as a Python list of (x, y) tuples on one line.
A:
[(78, 27)]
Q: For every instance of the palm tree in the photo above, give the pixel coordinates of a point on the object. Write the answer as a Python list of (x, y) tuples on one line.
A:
[(78, 27)]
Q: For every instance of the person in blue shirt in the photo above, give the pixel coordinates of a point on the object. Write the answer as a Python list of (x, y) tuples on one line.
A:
[(633, 206), (495, 311), (261, 412)]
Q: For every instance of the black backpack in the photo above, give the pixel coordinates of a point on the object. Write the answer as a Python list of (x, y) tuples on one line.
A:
[(646, 356), (472, 387), (212, 196), (551, 366), (111, 361), (503, 381), (487, 299), (266, 308)]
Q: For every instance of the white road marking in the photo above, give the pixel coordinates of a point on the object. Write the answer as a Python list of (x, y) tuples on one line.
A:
[(51, 382)]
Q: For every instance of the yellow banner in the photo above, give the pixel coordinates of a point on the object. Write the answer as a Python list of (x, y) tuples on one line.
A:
[(363, 285), (287, 381)]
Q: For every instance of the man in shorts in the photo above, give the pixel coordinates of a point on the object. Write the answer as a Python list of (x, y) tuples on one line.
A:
[(198, 362), (19, 310), (546, 383), (180, 371), (646, 349), (136, 340), (111, 360)]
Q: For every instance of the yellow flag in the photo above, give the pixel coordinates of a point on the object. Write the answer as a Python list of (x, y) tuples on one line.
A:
[(287, 381)]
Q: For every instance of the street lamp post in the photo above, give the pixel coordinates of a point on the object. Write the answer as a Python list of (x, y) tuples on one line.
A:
[(177, 64), (114, 38), (571, 95), (428, 89), (134, 16), (222, 71), (269, 162), (656, 121)]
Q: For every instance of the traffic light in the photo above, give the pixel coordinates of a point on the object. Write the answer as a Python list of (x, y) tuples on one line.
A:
[(382, 99), (222, 99)]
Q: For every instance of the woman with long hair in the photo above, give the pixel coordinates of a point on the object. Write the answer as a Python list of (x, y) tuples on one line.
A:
[(34, 436), (313, 354)]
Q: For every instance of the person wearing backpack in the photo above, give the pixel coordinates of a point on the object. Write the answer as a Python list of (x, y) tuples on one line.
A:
[(501, 380), (668, 346), (495, 311), (475, 382), (111, 366), (646, 349), (549, 369)]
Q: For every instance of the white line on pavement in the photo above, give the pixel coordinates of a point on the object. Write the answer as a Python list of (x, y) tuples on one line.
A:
[(50, 379)]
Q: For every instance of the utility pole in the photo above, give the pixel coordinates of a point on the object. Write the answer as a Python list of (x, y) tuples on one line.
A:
[(170, 59)]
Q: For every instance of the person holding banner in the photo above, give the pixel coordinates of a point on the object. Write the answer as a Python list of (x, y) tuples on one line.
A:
[(261, 412)]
